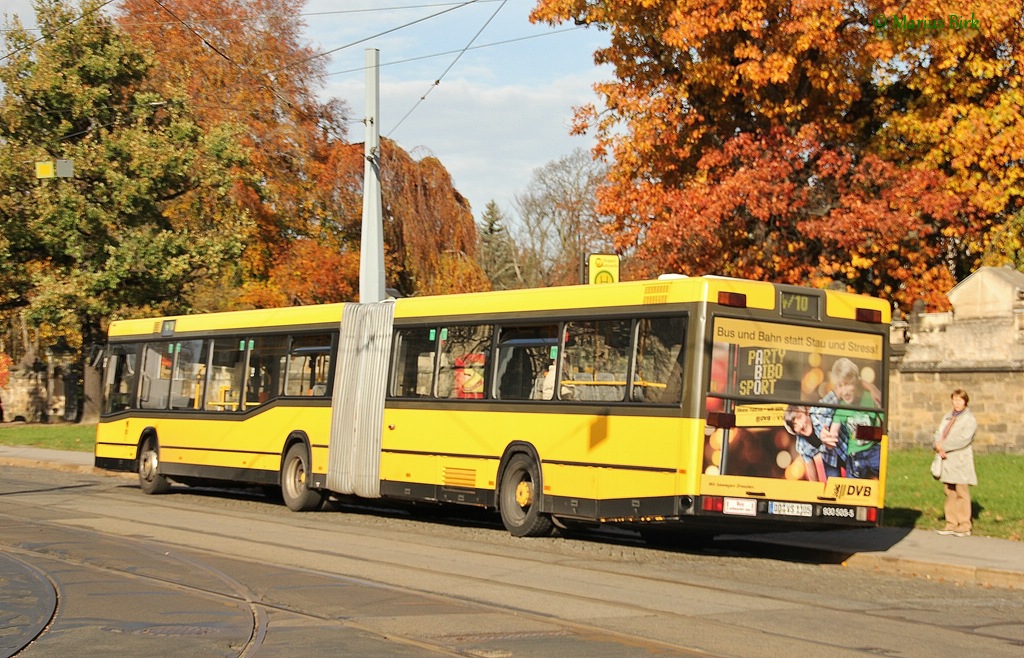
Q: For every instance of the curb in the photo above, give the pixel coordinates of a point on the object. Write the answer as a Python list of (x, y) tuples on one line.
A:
[(67, 468), (939, 572)]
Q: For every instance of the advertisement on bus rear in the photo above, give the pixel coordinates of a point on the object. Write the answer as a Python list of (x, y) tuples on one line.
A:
[(806, 402)]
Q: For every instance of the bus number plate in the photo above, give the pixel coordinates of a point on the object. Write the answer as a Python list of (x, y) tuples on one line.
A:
[(839, 512), (789, 509), (740, 506)]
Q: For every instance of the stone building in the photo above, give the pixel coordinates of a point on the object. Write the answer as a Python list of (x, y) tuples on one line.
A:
[(978, 346)]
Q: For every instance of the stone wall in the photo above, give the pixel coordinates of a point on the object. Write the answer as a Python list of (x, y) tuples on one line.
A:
[(979, 347), (24, 398), (918, 398), (39, 395)]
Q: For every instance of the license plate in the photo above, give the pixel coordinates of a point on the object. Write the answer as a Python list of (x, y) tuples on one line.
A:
[(789, 509), (839, 512), (740, 506)]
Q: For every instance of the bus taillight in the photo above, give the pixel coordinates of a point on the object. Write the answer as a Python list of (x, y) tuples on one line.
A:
[(869, 514), (869, 433), (712, 503), (737, 299), (872, 315)]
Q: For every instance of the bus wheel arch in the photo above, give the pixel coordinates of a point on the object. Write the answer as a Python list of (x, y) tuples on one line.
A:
[(296, 466), (520, 492), (151, 481)]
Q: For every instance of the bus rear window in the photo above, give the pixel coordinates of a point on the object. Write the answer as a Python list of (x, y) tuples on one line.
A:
[(793, 397)]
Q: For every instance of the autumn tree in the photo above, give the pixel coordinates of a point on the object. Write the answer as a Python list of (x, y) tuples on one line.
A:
[(953, 105), (247, 62), (1006, 244), (80, 250), (817, 142), (429, 233), (558, 221)]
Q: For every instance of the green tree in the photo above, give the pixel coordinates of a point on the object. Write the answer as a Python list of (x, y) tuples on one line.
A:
[(81, 250), (496, 251)]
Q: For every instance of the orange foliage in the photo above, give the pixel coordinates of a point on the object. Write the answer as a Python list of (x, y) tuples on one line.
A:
[(781, 207), (428, 225), (307, 273), (456, 273), (246, 62), (5, 369), (806, 141)]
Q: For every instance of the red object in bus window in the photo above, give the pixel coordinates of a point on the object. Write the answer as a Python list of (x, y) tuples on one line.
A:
[(469, 376)]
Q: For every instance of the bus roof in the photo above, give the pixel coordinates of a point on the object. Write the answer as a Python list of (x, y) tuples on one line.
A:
[(757, 294)]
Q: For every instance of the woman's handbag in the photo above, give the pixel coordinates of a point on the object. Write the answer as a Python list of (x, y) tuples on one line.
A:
[(937, 467)]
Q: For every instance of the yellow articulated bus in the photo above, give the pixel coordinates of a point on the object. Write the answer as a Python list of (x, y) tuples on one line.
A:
[(706, 402)]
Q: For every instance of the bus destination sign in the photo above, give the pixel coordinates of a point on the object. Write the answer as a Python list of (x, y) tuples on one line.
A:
[(796, 305)]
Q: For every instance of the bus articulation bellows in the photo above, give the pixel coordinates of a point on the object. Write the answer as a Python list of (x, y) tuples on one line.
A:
[(707, 403)]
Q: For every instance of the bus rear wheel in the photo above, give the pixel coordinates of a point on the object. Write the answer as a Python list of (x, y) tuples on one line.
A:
[(295, 481), (519, 499), (150, 479)]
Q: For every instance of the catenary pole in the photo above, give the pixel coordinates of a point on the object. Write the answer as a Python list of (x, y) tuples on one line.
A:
[(371, 256)]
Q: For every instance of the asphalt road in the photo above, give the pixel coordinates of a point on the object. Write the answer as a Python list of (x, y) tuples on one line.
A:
[(91, 566)]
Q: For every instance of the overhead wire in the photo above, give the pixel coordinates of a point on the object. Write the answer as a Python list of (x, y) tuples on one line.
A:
[(437, 82), (270, 84), (492, 44), (373, 36)]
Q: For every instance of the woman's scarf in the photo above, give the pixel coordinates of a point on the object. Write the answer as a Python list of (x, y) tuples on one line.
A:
[(945, 430)]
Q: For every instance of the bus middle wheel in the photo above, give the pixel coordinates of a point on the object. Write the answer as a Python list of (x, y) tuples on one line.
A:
[(295, 490), (520, 498)]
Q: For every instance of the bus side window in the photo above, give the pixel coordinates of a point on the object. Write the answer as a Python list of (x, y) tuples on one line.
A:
[(226, 376), (266, 358), (412, 366), (463, 366), (157, 359), (309, 361), (320, 375), (524, 356), (660, 359), (189, 373), (597, 354)]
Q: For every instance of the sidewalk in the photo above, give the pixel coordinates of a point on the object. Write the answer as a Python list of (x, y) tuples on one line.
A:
[(63, 460), (984, 561)]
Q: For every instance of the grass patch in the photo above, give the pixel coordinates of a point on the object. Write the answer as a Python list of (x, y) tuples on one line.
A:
[(912, 500), (58, 436)]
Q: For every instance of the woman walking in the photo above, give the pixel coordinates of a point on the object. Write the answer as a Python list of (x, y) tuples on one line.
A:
[(953, 440)]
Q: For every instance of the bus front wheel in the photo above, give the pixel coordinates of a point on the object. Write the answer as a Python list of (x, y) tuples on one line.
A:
[(519, 499), (295, 481), (150, 479)]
